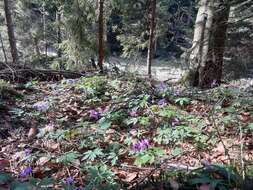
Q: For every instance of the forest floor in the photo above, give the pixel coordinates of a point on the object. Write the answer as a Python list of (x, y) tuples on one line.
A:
[(102, 132)]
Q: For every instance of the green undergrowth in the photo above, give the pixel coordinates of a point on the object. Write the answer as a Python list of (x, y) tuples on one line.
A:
[(99, 132)]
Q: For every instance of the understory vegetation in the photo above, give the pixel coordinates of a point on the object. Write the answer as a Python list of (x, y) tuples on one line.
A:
[(108, 132), (126, 95)]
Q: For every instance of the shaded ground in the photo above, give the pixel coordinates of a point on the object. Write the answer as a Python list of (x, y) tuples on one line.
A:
[(66, 128)]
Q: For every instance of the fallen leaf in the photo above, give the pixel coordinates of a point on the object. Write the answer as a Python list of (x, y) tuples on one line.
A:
[(174, 184), (43, 160), (4, 164), (32, 133), (51, 145), (204, 187), (131, 176), (121, 174), (49, 128), (18, 155)]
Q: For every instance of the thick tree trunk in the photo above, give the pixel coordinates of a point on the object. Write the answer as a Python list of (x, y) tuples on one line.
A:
[(206, 58), (3, 49), (151, 37), (11, 34), (101, 34)]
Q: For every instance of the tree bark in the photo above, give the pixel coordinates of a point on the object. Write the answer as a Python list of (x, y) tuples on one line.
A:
[(3, 49), (206, 58), (11, 33), (101, 35), (151, 37), (44, 29), (59, 35)]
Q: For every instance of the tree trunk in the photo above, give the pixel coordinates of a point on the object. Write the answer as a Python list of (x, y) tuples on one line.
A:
[(151, 37), (44, 30), (3, 49), (101, 35), (59, 35), (11, 34), (36, 45), (206, 59)]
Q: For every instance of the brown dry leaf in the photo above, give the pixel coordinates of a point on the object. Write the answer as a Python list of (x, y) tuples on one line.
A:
[(43, 160), (245, 117), (49, 128), (219, 149), (32, 132), (4, 164), (174, 184), (51, 145), (18, 155), (204, 187), (131, 176), (121, 174)]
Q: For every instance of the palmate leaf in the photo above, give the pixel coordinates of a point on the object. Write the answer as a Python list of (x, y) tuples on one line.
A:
[(183, 101), (68, 157), (176, 152), (250, 127), (144, 159), (91, 155), (21, 186), (4, 178)]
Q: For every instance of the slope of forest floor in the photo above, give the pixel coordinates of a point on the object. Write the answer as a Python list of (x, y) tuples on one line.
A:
[(102, 132)]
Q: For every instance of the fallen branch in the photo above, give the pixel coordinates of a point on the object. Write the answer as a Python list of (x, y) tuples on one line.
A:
[(26, 74)]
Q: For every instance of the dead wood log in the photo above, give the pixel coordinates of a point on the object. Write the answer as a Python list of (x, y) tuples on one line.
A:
[(26, 74)]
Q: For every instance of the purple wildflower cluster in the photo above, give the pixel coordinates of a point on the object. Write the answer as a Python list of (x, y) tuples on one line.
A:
[(214, 84), (69, 180), (176, 93), (162, 87), (162, 102), (133, 114), (28, 151), (41, 106), (175, 122), (26, 172), (141, 145), (93, 114)]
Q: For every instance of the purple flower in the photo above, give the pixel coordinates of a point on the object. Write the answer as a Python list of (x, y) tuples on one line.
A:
[(41, 106), (78, 188), (133, 114), (141, 145), (28, 151), (93, 114), (162, 87), (214, 83), (176, 93), (175, 122), (162, 102), (27, 171), (70, 180)]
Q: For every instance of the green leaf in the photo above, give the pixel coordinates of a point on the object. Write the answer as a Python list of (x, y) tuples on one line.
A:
[(68, 157), (176, 152), (142, 160), (182, 101), (21, 186), (4, 178), (250, 127), (105, 125), (91, 155), (130, 121)]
